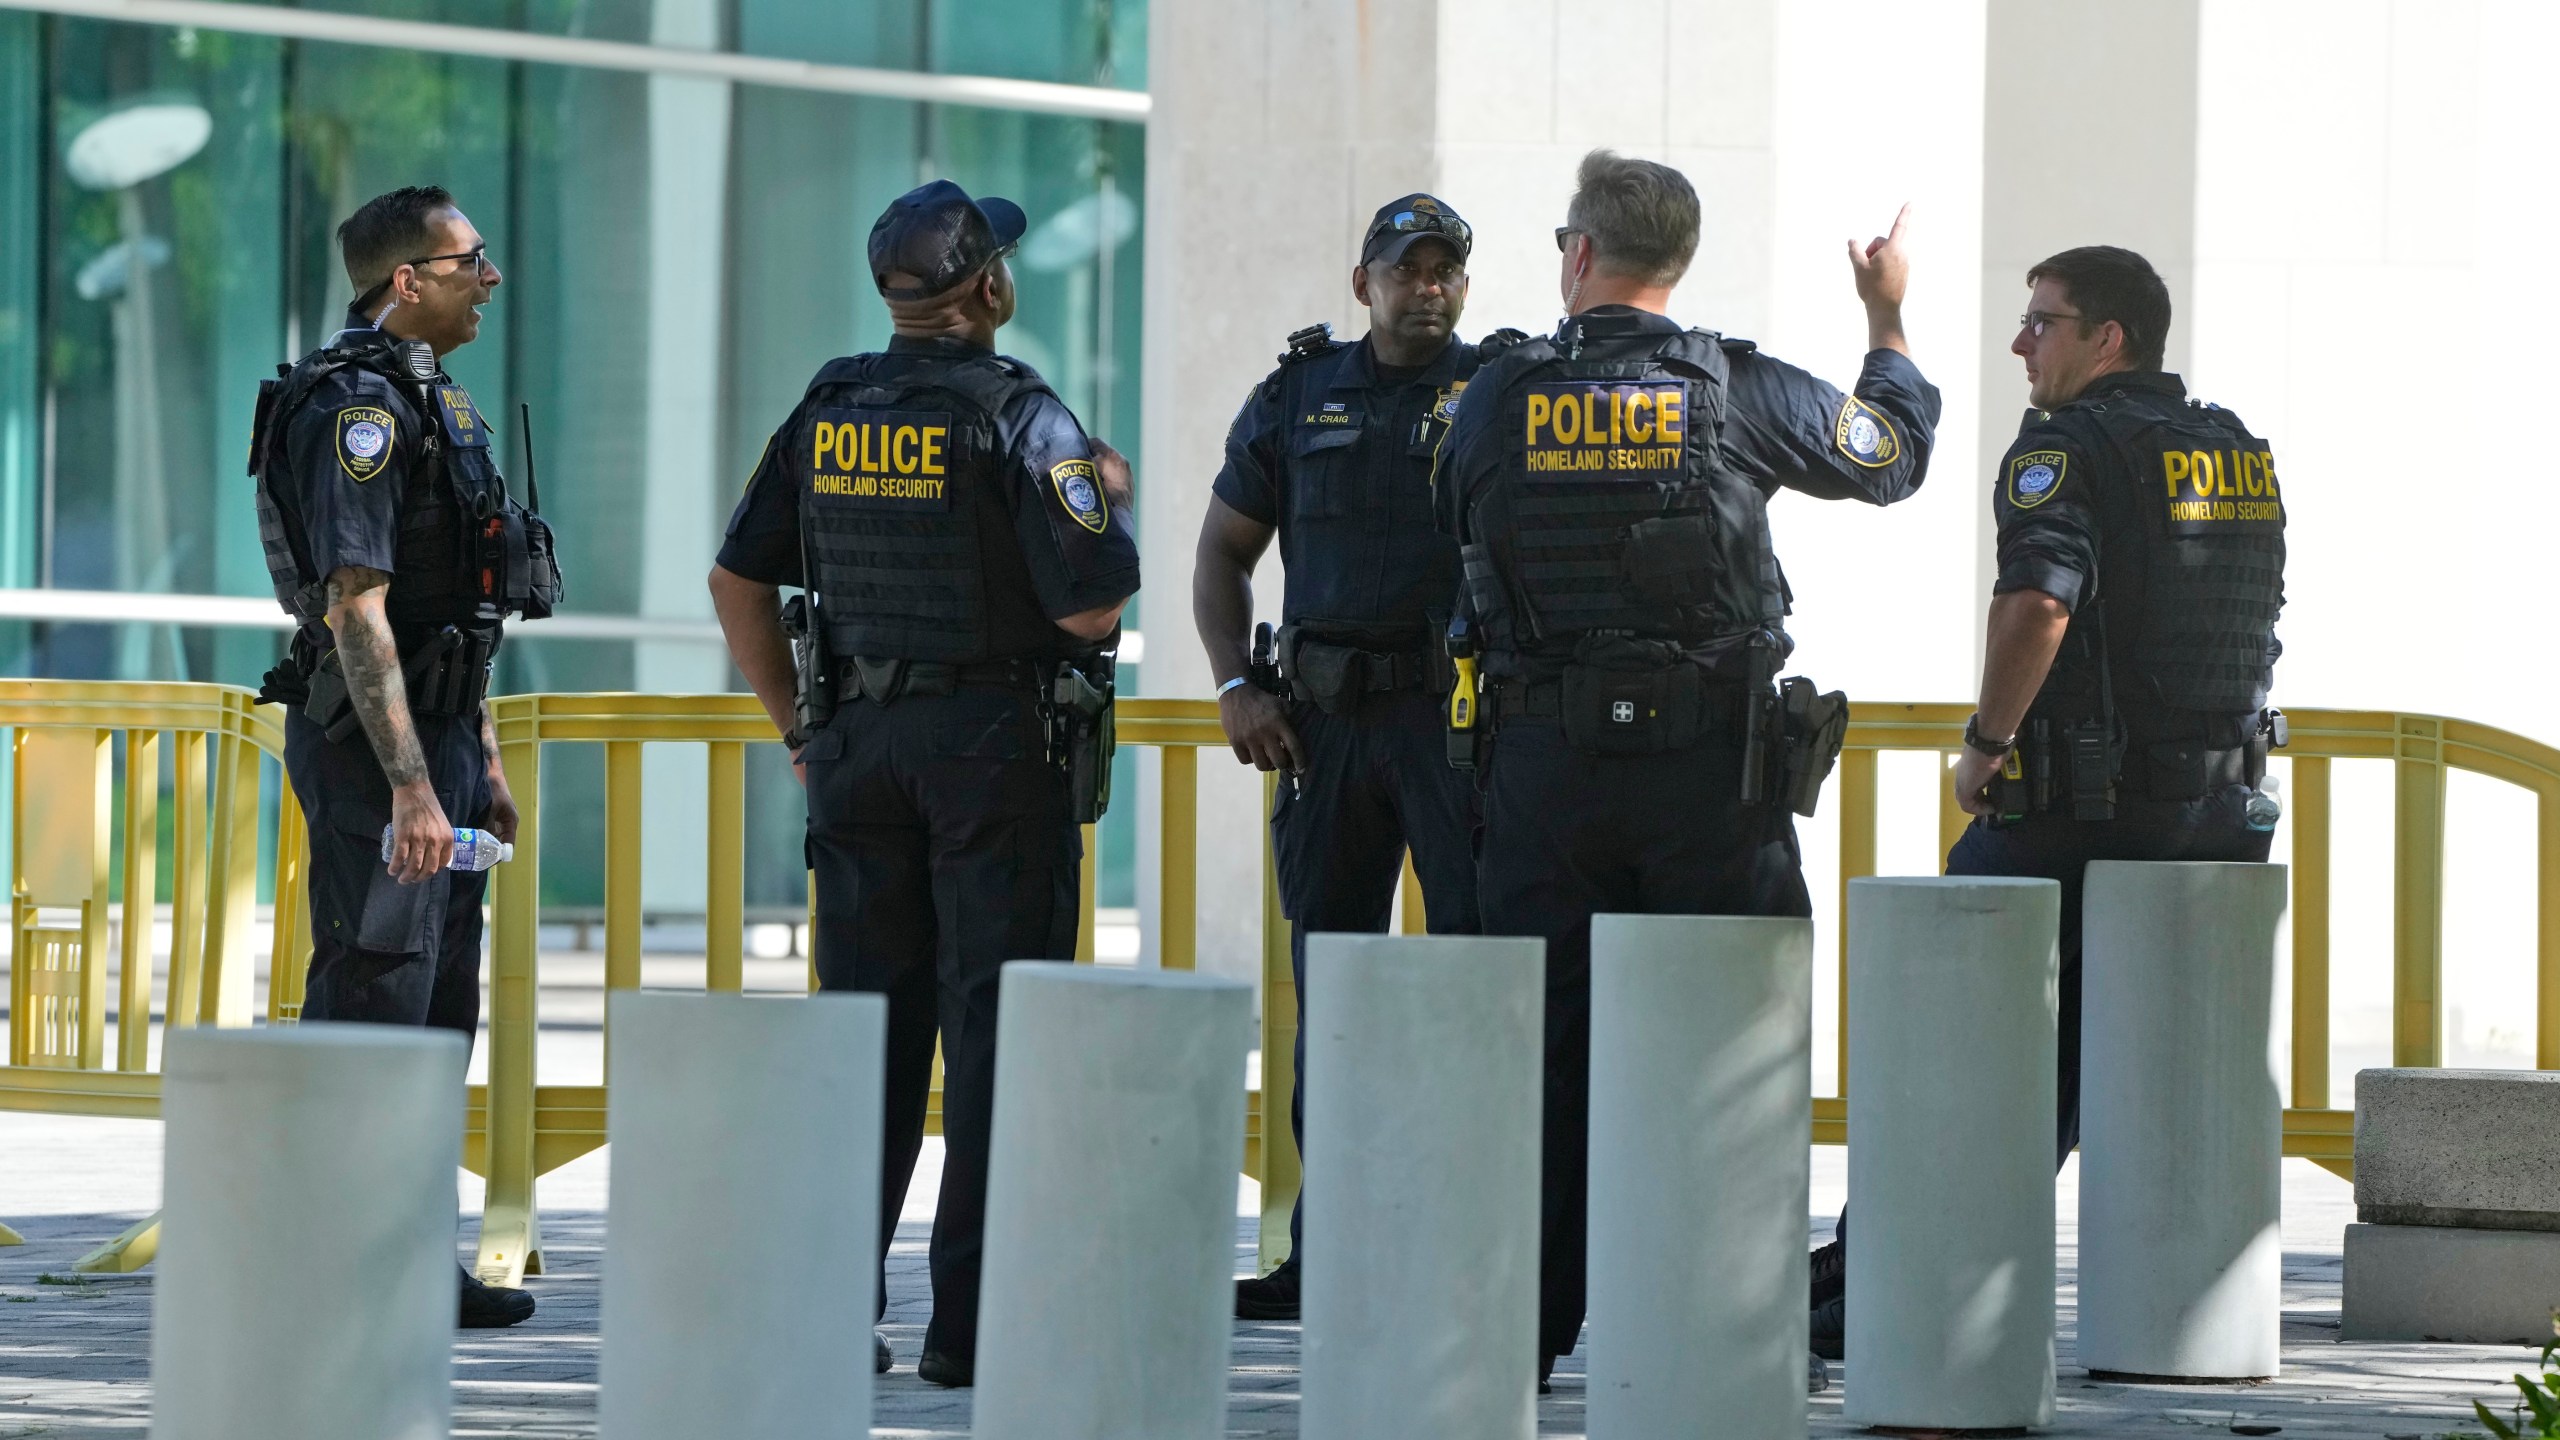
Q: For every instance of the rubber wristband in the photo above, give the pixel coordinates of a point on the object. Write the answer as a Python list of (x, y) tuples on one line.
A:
[(1230, 685)]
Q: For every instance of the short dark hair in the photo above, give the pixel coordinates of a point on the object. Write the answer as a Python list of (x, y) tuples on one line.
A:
[(390, 230), (2109, 282), (1642, 217)]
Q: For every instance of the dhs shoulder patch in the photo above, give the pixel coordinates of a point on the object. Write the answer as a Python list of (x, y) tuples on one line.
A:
[(2035, 475), (364, 441), (1079, 487), (1863, 435)]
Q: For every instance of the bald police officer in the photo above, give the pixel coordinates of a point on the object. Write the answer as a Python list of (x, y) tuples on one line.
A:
[(2123, 711), (394, 544), (1332, 452), (1609, 487), (965, 551)]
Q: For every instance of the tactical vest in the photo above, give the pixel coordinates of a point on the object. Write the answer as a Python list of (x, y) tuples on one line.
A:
[(906, 526), (2190, 498), (1610, 507), (467, 554)]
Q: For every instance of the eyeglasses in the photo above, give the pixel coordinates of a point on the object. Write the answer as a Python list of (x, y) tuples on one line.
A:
[(1418, 222), (478, 255), (1561, 232), (2035, 321)]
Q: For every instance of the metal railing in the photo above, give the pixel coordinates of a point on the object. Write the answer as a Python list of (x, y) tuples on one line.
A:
[(521, 1129)]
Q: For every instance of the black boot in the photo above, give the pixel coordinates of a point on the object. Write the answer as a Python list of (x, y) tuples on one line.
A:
[(879, 1353), (1830, 1328), (937, 1368), (1270, 1297), (491, 1307)]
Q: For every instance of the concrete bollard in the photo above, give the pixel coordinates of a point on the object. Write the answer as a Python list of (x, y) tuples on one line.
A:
[(1952, 991), (307, 1255), (2181, 1121), (1701, 1038), (742, 1225), (1111, 1204), (1423, 1099)]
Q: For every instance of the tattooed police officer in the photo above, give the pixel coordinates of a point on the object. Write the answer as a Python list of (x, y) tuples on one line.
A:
[(393, 542)]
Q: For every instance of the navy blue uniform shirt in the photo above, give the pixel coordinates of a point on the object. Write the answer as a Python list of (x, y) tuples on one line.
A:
[(1338, 458), (352, 446), (1073, 569), (2050, 530)]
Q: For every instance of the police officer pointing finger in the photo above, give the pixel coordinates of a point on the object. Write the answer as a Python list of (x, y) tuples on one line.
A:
[(964, 551)]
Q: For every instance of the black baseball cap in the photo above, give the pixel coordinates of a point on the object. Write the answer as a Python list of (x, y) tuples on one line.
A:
[(1401, 222), (936, 233)]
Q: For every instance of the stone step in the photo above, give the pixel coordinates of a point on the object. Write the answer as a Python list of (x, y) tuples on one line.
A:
[(2478, 1149)]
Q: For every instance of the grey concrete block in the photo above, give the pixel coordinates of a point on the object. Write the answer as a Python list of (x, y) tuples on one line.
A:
[(2428, 1282), (2472, 1148)]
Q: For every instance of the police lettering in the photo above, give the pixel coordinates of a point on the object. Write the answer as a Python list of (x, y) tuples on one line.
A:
[(1598, 429), (880, 456), (2209, 490)]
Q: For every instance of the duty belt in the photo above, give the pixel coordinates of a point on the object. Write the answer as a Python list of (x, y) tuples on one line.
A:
[(883, 680)]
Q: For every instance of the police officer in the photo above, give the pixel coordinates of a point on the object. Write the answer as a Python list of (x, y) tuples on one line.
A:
[(2123, 711), (1608, 487), (965, 551), (394, 543), (1333, 451)]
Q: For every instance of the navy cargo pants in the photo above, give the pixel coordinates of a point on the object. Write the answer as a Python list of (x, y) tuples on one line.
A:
[(384, 952), (944, 845), (1377, 782), (1568, 836)]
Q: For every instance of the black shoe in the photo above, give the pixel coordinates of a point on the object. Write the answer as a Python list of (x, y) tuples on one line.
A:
[(879, 1353), (491, 1307), (1830, 1272), (1831, 1327), (1546, 1370), (1270, 1297), (1817, 1376), (937, 1368)]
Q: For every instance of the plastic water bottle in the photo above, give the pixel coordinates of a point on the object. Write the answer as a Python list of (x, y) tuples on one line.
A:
[(472, 849), (2266, 803)]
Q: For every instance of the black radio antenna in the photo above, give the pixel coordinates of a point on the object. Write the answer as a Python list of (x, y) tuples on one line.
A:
[(532, 486)]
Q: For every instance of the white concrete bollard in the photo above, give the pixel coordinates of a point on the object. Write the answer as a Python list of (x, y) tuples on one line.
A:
[(1423, 1102), (1952, 992), (1111, 1204), (308, 1264), (2181, 1121), (742, 1225), (1701, 1039)]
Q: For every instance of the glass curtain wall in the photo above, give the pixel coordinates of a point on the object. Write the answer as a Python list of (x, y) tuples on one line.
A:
[(680, 255)]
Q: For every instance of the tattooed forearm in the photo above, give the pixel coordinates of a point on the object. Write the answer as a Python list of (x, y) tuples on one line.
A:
[(372, 664), (489, 739)]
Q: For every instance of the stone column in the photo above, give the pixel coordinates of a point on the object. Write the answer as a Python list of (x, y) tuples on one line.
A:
[(1111, 1204), (738, 1264), (1423, 1104), (1951, 1118), (307, 1253), (1701, 1037), (2181, 1121)]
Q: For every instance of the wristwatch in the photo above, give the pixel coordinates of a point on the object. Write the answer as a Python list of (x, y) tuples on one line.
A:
[(1996, 749)]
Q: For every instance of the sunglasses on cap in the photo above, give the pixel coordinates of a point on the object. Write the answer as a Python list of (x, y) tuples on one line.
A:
[(1417, 222)]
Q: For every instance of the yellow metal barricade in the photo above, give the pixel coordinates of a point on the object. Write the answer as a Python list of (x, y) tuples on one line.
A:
[(64, 821), (63, 1058)]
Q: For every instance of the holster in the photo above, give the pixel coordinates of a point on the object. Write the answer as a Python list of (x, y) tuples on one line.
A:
[(813, 671), (449, 675), (326, 701), (1334, 677), (1813, 727), (1083, 734)]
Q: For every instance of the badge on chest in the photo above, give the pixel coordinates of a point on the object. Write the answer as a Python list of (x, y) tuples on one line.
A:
[(460, 419)]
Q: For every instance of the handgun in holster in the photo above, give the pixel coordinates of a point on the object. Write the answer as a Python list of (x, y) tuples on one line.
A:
[(1466, 704), (1263, 671), (1083, 734), (813, 670), (1815, 725)]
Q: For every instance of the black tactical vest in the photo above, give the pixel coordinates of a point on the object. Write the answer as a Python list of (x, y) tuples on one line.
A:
[(467, 553), (1610, 507), (906, 521), (2191, 568)]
